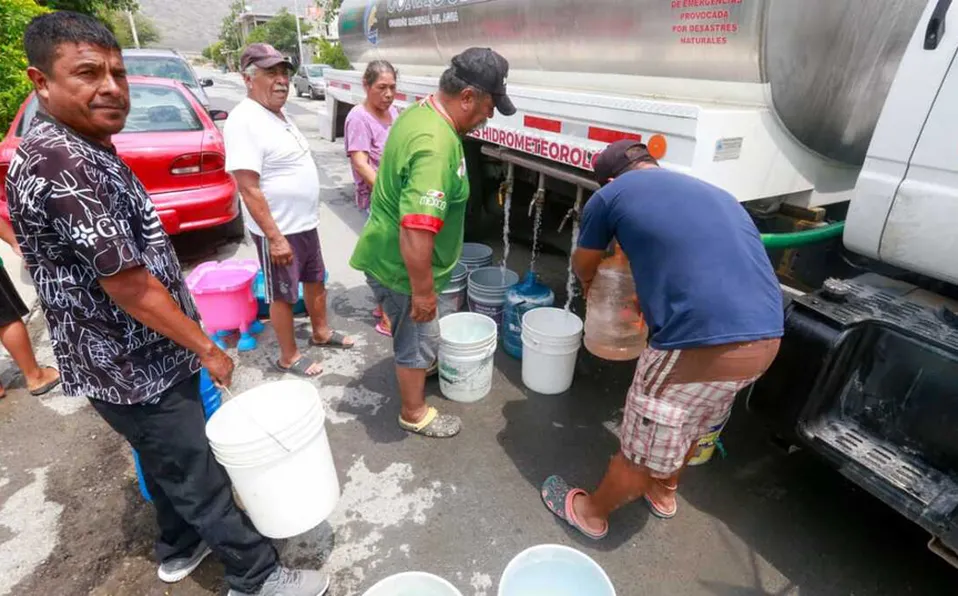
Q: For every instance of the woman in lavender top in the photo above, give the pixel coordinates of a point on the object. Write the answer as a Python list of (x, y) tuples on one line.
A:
[(367, 127)]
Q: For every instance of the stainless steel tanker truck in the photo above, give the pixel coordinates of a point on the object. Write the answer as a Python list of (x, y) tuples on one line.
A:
[(836, 126)]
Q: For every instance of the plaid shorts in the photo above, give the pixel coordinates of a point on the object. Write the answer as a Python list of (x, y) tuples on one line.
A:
[(677, 396)]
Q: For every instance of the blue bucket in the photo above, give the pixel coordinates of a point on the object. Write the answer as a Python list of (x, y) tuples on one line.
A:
[(212, 399), (259, 290)]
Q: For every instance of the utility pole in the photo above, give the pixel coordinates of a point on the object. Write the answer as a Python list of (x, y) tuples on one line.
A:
[(136, 38), (299, 32)]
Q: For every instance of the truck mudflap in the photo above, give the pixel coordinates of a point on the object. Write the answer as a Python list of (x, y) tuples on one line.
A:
[(868, 378)]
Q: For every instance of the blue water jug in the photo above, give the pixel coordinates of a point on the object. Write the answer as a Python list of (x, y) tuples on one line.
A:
[(526, 295), (212, 399)]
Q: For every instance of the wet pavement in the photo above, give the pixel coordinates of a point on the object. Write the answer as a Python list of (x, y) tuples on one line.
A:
[(756, 522)]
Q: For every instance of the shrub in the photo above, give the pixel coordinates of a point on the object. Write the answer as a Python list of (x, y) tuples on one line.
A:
[(332, 53), (15, 15)]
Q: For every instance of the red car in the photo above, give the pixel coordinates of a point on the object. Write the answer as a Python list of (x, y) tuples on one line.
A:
[(172, 144)]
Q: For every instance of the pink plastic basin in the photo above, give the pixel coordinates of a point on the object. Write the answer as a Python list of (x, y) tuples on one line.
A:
[(224, 294)]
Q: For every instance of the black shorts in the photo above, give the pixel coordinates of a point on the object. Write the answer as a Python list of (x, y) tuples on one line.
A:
[(282, 283), (12, 308)]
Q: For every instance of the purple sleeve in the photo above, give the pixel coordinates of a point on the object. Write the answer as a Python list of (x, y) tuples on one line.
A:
[(358, 135)]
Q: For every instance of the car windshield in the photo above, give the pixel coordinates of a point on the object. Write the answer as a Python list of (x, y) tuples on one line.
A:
[(315, 71), (152, 109), (159, 66)]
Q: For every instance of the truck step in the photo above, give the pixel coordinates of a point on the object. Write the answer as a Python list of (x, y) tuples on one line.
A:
[(888, 461)]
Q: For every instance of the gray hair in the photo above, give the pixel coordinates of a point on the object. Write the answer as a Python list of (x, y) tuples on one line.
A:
[(452, 85), (250, 70), (376, 69)]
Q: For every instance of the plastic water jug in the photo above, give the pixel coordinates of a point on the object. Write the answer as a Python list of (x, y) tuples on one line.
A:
[(526, 295), (212, 399), (614, 328)]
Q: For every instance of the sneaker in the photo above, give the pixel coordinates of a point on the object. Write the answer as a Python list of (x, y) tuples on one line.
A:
[(175, 570), (291, 582)]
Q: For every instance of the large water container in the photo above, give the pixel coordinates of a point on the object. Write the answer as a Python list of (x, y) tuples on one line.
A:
[(614, 329), (526, 295), (212, 399)]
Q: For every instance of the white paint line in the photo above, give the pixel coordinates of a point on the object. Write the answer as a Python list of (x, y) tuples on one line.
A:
[(33, 521), (371, 503), (481, 582)]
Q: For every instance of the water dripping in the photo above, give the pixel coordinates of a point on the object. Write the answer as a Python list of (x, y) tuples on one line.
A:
[(537, 203), (505, 201), (570, 285)]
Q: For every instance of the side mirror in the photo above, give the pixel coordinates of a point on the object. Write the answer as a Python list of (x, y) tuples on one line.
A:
[(219, 115), (206, 82)]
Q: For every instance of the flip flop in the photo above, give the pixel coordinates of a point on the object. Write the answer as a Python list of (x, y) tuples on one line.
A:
[(298, 368), (658, 511), (378, 312), (434, 425), (44, 389), (336, 341), (558, 496), (382, 330)]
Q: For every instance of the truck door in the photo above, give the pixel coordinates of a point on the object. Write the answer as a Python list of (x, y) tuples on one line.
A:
[(921, 233), (906, 205)]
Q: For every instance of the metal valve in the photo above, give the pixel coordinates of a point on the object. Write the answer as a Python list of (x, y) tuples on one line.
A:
[(539, 198), (573, 213)]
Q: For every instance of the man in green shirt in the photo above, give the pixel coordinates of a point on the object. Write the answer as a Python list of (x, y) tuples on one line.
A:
[(413, 238)]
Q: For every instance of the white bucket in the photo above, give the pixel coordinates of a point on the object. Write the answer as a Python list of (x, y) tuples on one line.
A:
[(551, 338), (475, 255), (487, 290), (272, 442), (456, 290), (413, 583), (554, 570), (466, 349)]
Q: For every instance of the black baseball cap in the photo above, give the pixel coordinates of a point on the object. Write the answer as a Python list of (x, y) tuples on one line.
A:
[(487, 71), (615, 161)]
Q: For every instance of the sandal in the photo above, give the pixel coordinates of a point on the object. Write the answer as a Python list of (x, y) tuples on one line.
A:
[(434, 425), (382, 329), (48, 387), (336, 341), (657, 510), (298, 368), (558, 496)]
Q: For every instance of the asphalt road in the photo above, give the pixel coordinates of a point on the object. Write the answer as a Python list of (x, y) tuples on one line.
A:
[(753, 523)]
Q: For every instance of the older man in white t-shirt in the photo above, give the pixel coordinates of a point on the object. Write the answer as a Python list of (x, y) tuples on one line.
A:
[(279, 183)]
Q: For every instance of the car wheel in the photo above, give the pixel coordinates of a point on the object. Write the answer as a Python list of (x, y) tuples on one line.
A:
[(235, 229), (312, 93)]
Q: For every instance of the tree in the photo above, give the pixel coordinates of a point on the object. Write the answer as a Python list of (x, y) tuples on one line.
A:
[(98, 8), (15, 15), (231, 35), (332, 53), (214, 52), (330, 9), (280, 32), (145, 29)]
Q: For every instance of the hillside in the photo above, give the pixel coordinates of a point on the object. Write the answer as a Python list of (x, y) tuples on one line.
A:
[(191, 25)]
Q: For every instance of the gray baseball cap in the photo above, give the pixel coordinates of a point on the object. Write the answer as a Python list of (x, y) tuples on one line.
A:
[(262, 55)]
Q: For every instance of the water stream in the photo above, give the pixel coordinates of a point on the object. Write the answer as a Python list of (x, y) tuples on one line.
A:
[(505, 232), (536, 227), (570, 280)]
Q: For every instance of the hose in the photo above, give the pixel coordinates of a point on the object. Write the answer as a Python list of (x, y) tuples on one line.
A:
[(794, 239)]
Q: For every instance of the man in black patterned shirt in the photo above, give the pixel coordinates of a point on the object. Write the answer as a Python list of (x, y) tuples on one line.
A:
[(123, 325)]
